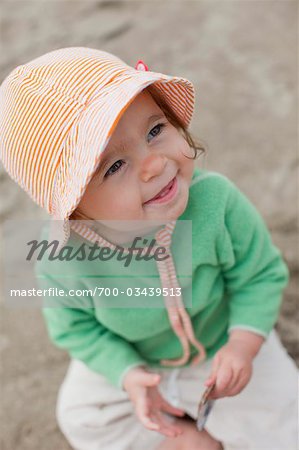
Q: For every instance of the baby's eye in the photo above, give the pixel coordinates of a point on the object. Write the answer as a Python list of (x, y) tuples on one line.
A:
[(115, 167), (156, 130)]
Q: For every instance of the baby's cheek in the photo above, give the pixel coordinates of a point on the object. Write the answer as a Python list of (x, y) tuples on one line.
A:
[(187, 163), (128, 204), (184, 149)]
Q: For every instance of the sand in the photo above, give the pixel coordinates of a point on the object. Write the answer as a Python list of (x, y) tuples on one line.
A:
[(241, 57)]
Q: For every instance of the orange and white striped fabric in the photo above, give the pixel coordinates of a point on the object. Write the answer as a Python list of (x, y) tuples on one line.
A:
[(57, 113)]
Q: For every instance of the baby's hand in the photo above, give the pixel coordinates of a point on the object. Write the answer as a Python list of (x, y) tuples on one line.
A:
[(232, 364), (141, 387), (231, 370)]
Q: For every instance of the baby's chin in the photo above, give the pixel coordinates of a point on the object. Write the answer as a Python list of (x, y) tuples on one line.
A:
[(167, 214), (171, 212)]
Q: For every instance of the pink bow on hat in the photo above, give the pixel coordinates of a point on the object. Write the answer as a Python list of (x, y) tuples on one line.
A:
[(140, 65)]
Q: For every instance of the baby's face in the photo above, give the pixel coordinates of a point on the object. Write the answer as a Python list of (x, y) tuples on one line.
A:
[(144, 155)]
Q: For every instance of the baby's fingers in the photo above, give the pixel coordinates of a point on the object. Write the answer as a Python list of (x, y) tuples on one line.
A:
[(223, 380), (149, 423), (167, 407), (143, 413), (210, 381), (167, 427), (239, 384), (213, 375)]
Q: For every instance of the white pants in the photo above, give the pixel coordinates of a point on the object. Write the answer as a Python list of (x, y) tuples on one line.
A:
[(95, 415)]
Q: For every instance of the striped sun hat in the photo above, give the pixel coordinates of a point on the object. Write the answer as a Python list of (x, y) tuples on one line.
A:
[(57, 113)]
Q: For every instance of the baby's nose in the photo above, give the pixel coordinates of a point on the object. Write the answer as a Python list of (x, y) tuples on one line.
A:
[(152, 166)]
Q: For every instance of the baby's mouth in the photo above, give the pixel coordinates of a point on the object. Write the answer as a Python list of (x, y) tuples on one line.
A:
[(166, 194)]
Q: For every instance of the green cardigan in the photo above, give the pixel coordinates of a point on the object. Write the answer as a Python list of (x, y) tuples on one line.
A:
[(238, 277)]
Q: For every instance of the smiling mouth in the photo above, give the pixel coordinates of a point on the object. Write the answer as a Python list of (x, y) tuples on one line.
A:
[(166, 194)]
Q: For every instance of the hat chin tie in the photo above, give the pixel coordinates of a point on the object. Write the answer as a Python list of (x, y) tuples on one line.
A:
[(178, 316)]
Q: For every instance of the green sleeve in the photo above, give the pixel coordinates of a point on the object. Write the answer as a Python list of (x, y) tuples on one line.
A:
[(78, 331), (253, 269)]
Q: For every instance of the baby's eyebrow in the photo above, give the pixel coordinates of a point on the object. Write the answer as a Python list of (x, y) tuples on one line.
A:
[(155, 117)]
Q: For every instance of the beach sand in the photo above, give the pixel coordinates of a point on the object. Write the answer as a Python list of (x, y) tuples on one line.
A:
[(241, 57)]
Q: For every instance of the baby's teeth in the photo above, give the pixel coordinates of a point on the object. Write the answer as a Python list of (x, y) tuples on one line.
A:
[(164, 193)]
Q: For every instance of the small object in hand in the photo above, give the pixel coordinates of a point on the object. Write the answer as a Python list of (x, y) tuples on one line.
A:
[(204, 408)]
